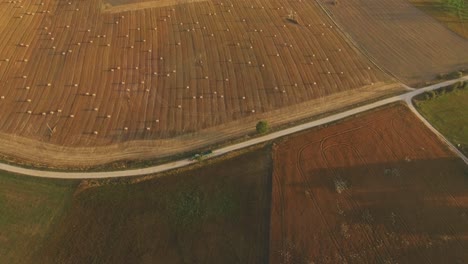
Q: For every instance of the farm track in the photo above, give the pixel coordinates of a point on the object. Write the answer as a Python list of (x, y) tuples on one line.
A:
[(400, 38), (87, 157), (100, 79), (61, 156), (160, 129)]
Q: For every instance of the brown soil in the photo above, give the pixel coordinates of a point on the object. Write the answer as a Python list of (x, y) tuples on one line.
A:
[(138, 95), (380, 188), (402, 39), (214, 214), (449, 18)]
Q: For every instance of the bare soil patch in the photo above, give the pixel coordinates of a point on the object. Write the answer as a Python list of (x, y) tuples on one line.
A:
[(453, 18), (401, 38), (380, 188)]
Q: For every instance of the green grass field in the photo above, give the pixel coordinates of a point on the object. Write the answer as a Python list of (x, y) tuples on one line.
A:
[(29, 208), (212, 214), (448, 113)]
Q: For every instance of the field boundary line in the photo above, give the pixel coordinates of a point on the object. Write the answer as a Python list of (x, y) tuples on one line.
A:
[(406, 98), (349, 39), (435, 131)]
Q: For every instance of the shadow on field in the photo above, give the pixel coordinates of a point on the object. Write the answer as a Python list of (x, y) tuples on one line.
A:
[(413, 211), (218, 213)]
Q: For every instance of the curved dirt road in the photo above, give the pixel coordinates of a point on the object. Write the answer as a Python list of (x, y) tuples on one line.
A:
[(45, 154), (181, 163)]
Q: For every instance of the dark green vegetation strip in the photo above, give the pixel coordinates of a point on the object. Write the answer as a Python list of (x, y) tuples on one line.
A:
[(29, 208), (213, 214), (447, 111)]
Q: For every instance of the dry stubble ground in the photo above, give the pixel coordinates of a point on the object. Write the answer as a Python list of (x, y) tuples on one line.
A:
[(401, 38), (380, 188), (448, 16), (100, 79)]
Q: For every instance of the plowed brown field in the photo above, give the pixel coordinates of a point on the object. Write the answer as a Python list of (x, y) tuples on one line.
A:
[(378, 189), (402, 39), (74, 75)]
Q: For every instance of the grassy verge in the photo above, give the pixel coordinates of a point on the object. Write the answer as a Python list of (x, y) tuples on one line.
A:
[(29, 209), (447, 110), (217, 213)]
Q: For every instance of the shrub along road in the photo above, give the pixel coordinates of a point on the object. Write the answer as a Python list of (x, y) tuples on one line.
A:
[(406, 97)]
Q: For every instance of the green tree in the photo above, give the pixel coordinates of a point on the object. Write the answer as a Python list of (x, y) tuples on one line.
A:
[(262, 127)]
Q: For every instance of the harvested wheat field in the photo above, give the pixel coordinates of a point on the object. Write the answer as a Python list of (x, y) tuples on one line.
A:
[(380, 188), (81, 73), (401, 38), (446, 13)]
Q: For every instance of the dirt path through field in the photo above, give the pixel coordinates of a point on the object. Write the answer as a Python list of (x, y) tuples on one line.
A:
[(222, 151), (59, 156)]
